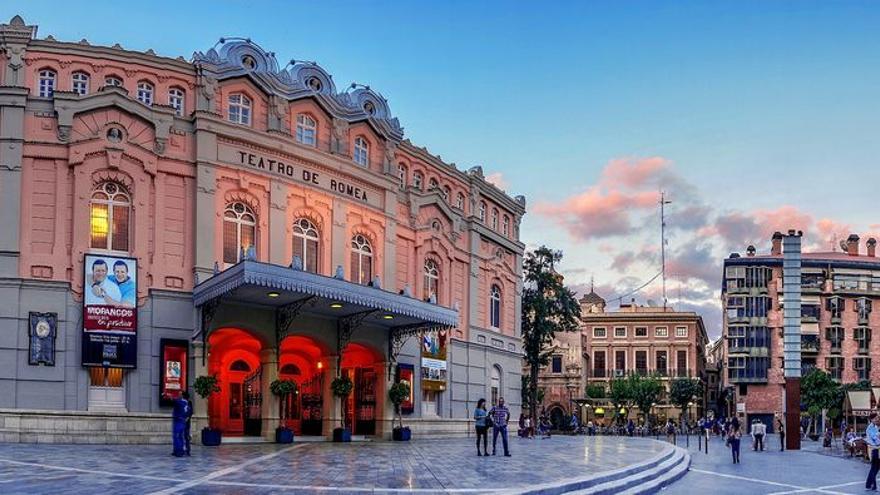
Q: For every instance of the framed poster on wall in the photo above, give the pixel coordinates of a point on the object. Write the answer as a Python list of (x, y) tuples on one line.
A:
[(109, 311), (434, 360), (173, 369), (405, 374)]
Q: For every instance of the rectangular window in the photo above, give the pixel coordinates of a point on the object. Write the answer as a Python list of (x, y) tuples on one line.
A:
[(681, 361), (99, 225), (599, 364), (230, 243), (835, 306), (642, 362), (620, 332), (661, 363), (834, 365), (557, 364), (599, 332), (862, 335), (661, 332), (681, 331), (620, 360), (862, 365), (641, 331)]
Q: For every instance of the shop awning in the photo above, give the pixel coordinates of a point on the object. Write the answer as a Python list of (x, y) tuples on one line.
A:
[(291, 292), (858, 402)]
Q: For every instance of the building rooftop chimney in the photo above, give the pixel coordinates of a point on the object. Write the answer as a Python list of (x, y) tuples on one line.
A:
[(750, 251), (872, 247), (852, 245), (776, 246)]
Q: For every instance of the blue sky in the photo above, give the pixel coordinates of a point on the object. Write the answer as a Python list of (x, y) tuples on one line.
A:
[(758, 110)]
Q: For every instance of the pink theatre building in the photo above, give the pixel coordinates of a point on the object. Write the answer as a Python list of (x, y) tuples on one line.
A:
[(165, 219)]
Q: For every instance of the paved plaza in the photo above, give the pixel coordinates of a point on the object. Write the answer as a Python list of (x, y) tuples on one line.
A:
[(420, 466)]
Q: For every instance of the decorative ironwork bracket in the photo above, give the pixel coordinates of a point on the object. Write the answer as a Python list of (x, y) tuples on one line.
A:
[(398, 337), (284, 317), (346, 326)]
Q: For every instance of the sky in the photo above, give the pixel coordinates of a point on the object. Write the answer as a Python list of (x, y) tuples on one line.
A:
[(752, 116)]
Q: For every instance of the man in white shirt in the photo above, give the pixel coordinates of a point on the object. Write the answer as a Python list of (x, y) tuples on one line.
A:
[(98, 288), (759, 430)]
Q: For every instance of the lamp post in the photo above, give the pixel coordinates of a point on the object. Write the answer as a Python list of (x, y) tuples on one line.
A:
[(651, 412), (571, 386), (687, 417)]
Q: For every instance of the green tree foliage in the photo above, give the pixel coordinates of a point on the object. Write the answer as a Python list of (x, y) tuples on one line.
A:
[(645, 390), (398, 393), (818, 392), (282, 388), (595, 391), (205, 386), (684, 390), (547, 307)]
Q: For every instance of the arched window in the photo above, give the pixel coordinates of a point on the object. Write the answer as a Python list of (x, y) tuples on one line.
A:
[(239, 231), (401, 175), (505, 225), (432, 279), (361, 151), (459, 201), (446, 193), (239, 109), (145, 93), (432, 184), (176, 100), (306, 242), (113, 81), (47, 83), (495, 219), (239, 365), (495, 384), (289, 369), (417, 180), (110, 211), (361, 260), (483, 211), (80, 83), (495, 307), (306, 129)]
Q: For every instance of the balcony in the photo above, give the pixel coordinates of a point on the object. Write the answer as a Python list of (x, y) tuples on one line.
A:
[(598, 373), (810, 314), (810, 344)]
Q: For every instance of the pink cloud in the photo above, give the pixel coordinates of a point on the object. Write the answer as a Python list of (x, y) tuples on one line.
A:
[(633, 172), (498, 180)]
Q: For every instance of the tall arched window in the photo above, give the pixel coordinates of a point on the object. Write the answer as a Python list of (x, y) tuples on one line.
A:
[(361, 151), (47, 83), (505, 225), (483, 211), (239, 109), (176, 100), (239, 231), (79, 83), (306, 242), (495, 307), (495, 219), (401, 175), (459, 201), (495, 384), (432, 184), (361, 260), (306, 129), (145, 93), (417, 180), (432, 279), (110, 211)]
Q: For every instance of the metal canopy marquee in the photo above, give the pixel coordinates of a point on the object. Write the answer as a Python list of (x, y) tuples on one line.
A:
[(292, 291)]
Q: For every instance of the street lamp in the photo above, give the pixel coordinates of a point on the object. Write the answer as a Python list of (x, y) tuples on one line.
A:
[(571, 386)]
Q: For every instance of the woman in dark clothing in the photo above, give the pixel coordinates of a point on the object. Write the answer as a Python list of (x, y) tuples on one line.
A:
[(480, 415), (733, 439)]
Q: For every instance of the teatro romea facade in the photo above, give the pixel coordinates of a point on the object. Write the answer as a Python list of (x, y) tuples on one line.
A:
[(165, 219)]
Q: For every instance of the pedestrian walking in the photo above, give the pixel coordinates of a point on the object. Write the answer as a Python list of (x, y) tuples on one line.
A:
[(780, 427), (872, 438), (178, 426), (670, 431), (480, 419), (733, 439), (759, 429), (187, 432), (500, 416)]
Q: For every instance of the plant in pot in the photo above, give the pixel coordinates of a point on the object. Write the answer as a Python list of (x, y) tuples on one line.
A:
[(283, 389), (398, 393), (342, 386), (206, 386)]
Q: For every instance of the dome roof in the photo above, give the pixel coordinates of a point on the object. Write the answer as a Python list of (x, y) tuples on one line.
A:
[(592, 298)]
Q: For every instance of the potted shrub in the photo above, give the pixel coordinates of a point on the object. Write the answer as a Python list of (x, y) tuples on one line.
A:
[(283, 389), (398, 393), (206, 386), (341, 386)]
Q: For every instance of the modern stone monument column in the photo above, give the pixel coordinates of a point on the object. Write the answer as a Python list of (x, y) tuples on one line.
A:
[(791, 302)]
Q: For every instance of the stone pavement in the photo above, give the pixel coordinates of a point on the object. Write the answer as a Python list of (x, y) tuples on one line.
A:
[(769, 472), (421, 466)]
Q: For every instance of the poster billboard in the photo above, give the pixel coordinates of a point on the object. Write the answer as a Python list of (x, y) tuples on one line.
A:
[(173, 370), (406, 374), (434, 345), (109, 311)]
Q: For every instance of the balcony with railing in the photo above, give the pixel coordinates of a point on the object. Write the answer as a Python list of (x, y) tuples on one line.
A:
[(810, 344)]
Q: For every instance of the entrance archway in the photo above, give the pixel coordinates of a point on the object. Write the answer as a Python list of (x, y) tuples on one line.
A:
[(557, 417), (235, 359), (360, 410), (302, 360)]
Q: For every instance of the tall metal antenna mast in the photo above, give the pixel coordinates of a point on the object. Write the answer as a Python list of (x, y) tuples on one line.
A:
[(663, 204)]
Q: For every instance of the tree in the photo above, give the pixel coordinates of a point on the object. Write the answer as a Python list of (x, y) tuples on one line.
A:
[(683, 390), (398, 393), (206, 386), (283, 388), (341, 387), (819, 392), (645, 392), (620, 393), (547, 307), (595, 391)]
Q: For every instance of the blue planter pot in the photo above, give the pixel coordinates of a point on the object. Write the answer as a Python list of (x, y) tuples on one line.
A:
[(341, 435), (401, 434), (211, 438), (283, 435)]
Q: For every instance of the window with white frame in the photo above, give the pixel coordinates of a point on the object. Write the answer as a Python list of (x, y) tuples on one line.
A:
[(306, 243), (432, 279), (361, 151), (681, 331), (176, 101), (361, 260), (459, 201), (145, 93), (505, 225), (239, 231), (306, 130), (619, 332), (47, 83), (483, 211), (401, 175), (417, 180), (79, 83), (495, 384), (641, 331), (432, 184), (113, 81), (239, 109), (110, 212), (495, 219), (661, 332), (599, 332), (495, 306)]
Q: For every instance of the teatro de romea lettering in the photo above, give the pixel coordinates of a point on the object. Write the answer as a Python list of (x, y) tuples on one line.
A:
[(164, 219)]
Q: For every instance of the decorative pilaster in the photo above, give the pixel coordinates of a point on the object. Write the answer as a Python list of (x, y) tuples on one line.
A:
[(269, 364)]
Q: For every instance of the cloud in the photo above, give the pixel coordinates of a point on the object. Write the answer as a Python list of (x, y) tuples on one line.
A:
[(498, 180)]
